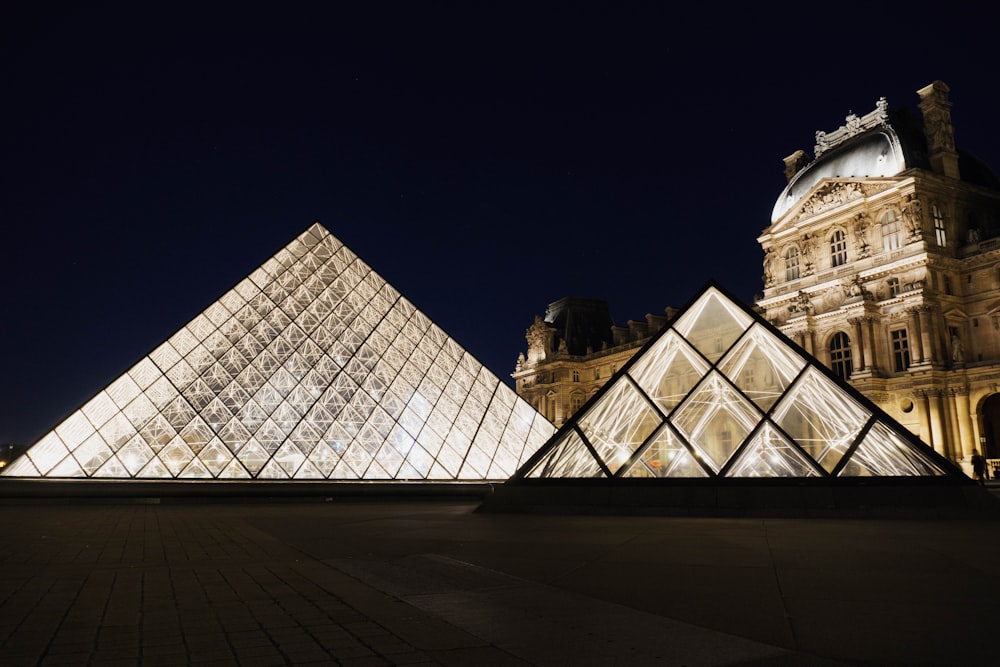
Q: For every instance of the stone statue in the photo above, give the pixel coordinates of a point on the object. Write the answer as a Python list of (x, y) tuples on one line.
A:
[(913, 215), (861, 226), (768, 267), (957, 349)]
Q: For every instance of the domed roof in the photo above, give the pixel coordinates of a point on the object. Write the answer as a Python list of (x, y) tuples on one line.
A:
[(881, 143), (876, 153)]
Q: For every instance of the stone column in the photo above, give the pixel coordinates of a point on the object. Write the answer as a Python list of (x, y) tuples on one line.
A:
[(871, 361), (923, 413), (926, 334), (938, 440), (915, 325), (859, 355), (965, 437)]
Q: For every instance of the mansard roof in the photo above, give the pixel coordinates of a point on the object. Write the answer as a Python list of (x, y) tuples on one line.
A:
[(312, 367), (884, 143)]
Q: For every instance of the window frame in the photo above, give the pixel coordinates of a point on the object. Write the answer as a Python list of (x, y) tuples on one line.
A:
[(899, 342), (838, 248), (891, 226), (841, 356), (792, 264), (940, 232)]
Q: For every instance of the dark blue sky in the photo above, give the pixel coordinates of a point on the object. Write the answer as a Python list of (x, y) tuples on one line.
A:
[(485, 158)]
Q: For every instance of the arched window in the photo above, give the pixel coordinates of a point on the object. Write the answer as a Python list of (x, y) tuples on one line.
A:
[(892, 231), (838, 248), (792, 263), (840, 355), (939, 232)]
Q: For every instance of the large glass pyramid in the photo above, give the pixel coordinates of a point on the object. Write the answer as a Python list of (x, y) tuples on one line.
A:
[(313, 367), (721, 394)]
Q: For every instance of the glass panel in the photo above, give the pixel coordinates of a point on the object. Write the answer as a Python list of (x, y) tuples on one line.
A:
[(771, 454), (668, 370), (569, 457), (715, 419), (712, 324), (47, 453), (762, 366), (619, 423), (885, 453), (820, 417), (666, 456)]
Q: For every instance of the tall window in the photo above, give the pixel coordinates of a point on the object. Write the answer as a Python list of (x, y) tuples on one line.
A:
[(838, 248), (892, 231), (900, 350), (840, 356), (893, 287), (939, 232), (792, 263), (576, 376)]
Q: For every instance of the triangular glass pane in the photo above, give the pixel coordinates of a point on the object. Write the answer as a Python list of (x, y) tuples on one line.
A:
[(234, 471), (272, 470), (712, 324), (884, 453), (569, 457), (112, 468), (23, 467), (770, 454), (715, 419), (154, 470), (68, 467), (618, 423), (195, 470), (820, 417), (308, 471), (762, 366), (668, 370), (666, 456)]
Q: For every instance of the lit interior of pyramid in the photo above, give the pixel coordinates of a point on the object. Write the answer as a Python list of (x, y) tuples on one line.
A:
[(719, 394), (313, 367)]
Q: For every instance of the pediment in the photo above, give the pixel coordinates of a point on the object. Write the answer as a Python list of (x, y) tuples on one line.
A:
[(827, 195)]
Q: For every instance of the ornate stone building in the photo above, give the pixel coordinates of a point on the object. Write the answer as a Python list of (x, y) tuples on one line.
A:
[(573, 351), (883, 260)]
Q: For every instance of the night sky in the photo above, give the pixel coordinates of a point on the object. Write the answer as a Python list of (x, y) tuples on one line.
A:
[(485, 158)]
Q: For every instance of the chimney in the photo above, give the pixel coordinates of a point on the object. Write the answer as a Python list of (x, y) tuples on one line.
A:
[(938, 129), (794, 164)]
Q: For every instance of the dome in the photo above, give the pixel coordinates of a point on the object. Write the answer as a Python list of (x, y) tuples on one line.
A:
[(871, 155)]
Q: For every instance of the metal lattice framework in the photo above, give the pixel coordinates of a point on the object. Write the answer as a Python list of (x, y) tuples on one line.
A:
[(720, 393), (313, 367)]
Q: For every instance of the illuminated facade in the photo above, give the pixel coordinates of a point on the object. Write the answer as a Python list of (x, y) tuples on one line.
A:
[(721, 394), (313, 367), (573, 351), (883, 260)]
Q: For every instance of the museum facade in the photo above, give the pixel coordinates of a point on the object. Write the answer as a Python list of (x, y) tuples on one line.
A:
[(882, 260)]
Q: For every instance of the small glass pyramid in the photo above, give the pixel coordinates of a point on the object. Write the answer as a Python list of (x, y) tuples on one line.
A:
[(720, 393), (313, 367)]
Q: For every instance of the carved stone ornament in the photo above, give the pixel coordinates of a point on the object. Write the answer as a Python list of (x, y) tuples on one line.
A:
[(802, 305), (853, 126)]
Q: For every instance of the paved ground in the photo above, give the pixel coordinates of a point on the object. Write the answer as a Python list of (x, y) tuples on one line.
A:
[(425, 582)]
